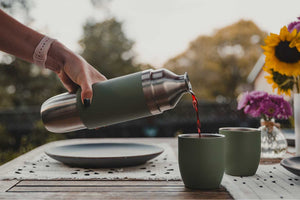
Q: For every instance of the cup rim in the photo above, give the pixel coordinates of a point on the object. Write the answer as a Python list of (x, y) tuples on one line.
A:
[(239, 129), (192, 136)]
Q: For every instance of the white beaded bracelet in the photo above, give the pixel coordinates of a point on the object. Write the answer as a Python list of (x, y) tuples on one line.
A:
[(41, 51)]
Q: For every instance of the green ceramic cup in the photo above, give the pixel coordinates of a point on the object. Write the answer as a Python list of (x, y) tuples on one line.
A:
[(201, 160), (242, 150)]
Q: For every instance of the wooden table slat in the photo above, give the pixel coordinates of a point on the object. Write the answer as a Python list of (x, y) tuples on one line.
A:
[(104, 186), (98, 189), (5, 185), (95, 182), (114, 195)]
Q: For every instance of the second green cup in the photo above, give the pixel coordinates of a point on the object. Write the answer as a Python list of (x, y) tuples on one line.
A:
[(242, 150)]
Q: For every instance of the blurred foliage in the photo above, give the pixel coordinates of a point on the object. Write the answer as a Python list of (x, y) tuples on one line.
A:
[(218, 65), (23, 84), (12, 5), (100, 3), (106, 47), (18, 7), (39, 136)]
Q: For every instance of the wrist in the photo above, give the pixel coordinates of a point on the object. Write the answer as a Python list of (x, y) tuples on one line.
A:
[(57, 56)]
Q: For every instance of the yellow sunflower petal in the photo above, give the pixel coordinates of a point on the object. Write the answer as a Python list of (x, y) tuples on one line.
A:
[(291, 36), (298, 46), (293, 43), (283, 33), (273, 39), (267, 69)]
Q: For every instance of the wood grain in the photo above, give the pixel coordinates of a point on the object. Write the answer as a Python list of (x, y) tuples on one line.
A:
[(5, 185), (119, 189), (113, 195), (95, 183)]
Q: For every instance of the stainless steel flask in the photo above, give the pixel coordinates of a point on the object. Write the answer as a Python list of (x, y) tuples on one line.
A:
[(120, 99)]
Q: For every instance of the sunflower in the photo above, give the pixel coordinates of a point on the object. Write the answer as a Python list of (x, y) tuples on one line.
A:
[(282, 56), (283, 83)]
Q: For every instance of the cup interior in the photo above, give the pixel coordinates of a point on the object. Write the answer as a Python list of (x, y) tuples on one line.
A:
[(203, 135), (238, 129)]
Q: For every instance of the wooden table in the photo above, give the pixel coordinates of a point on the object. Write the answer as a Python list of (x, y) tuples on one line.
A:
[(96, 189)]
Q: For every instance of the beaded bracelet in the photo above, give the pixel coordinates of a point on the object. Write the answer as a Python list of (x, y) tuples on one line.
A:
[(41, 51)]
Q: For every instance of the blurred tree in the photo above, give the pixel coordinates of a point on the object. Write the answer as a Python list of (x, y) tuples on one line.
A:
[(100, 3), (106, 47), (23, 87), (18, 7), (23, 84), (218, 65)]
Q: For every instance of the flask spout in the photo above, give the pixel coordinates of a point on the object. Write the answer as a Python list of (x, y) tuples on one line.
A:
[(163, 89), (187, 81)]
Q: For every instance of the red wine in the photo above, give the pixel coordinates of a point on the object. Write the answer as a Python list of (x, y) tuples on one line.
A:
[(195, 105)]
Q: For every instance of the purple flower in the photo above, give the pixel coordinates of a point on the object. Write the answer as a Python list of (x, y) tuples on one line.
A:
[(294, 25), (254, 110), (243, 101), (269, 108), (258, 103), (258, 94), (276, 98)]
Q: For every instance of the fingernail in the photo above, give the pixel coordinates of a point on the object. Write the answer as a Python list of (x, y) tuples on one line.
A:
[(86, 102)]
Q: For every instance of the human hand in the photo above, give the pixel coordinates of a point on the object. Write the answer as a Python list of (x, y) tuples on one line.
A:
[(78, 72), (73, 71)]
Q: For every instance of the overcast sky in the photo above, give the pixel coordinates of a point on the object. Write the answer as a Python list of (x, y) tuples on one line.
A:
[(160, 28)]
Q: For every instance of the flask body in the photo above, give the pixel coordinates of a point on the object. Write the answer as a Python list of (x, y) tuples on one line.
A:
[(117, 100), (114, 101)]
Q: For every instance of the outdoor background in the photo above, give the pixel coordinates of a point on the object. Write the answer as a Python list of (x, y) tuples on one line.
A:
[(216, 42)]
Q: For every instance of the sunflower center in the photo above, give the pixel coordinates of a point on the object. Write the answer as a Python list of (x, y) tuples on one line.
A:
[(286, 54)]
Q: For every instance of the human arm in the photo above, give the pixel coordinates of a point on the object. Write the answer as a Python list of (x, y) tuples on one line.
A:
[(21, 41)]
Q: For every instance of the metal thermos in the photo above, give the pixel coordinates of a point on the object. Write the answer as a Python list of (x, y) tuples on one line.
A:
[(120, 99)]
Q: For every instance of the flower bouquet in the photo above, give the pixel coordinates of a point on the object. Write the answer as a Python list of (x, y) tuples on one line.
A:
[(269, 107), (283, 66)]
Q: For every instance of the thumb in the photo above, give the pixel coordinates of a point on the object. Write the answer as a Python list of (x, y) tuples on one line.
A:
[(86, 94)]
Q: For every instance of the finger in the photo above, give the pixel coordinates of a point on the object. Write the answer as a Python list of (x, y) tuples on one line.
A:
[(67, 82), (86, 94)]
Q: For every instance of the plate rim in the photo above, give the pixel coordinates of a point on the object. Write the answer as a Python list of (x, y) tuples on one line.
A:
[(289, 166), (118, 157)]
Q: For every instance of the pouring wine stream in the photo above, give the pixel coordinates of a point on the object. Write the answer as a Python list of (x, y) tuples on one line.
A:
[(195, 105)]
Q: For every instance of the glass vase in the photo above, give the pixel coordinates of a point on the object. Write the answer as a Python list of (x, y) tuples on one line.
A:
[(273, 142)]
